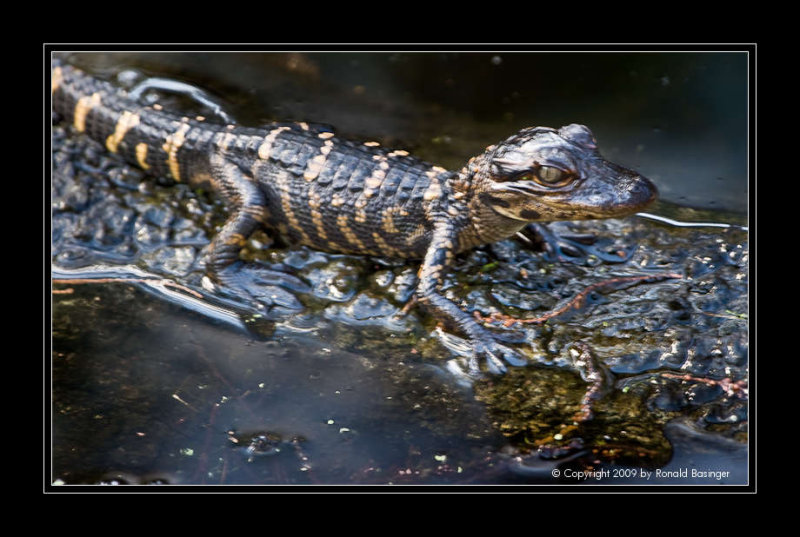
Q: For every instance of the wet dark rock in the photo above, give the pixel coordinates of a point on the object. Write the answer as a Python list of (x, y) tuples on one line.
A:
[(335, 281)]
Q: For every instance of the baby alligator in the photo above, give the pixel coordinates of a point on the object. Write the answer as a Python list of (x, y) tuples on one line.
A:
[(337, 195)]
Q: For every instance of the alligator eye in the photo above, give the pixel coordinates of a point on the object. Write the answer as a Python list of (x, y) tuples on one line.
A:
[(550, 175)]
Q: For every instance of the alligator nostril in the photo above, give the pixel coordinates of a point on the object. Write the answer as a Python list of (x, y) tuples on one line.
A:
[(643, 192)]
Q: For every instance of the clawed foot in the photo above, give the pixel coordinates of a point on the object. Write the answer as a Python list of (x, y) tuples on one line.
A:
[(260, 287), (495, 354), (575, 248)]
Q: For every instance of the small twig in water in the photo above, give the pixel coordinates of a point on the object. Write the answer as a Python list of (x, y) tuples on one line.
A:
[(594, 376), (729, 386), (576, 302), (178, 398), (148, 281), (407, 307)]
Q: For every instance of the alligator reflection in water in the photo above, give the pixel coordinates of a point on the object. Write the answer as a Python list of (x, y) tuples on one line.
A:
[(668, 349)]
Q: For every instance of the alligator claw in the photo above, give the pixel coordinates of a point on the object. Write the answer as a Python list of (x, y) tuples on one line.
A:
[(574, 248), (495, 355), (263, 288)]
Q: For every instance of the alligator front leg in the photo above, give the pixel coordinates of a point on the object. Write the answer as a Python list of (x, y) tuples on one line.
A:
[(574, 248), (484, 345)]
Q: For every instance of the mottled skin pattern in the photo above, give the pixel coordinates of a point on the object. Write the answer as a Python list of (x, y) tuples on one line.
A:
[(337, 195)]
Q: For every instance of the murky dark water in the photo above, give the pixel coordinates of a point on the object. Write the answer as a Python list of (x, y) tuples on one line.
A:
[(332, 385)]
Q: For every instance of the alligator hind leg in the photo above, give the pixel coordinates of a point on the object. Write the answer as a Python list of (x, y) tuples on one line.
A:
[(264, 287), (247, 205)]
